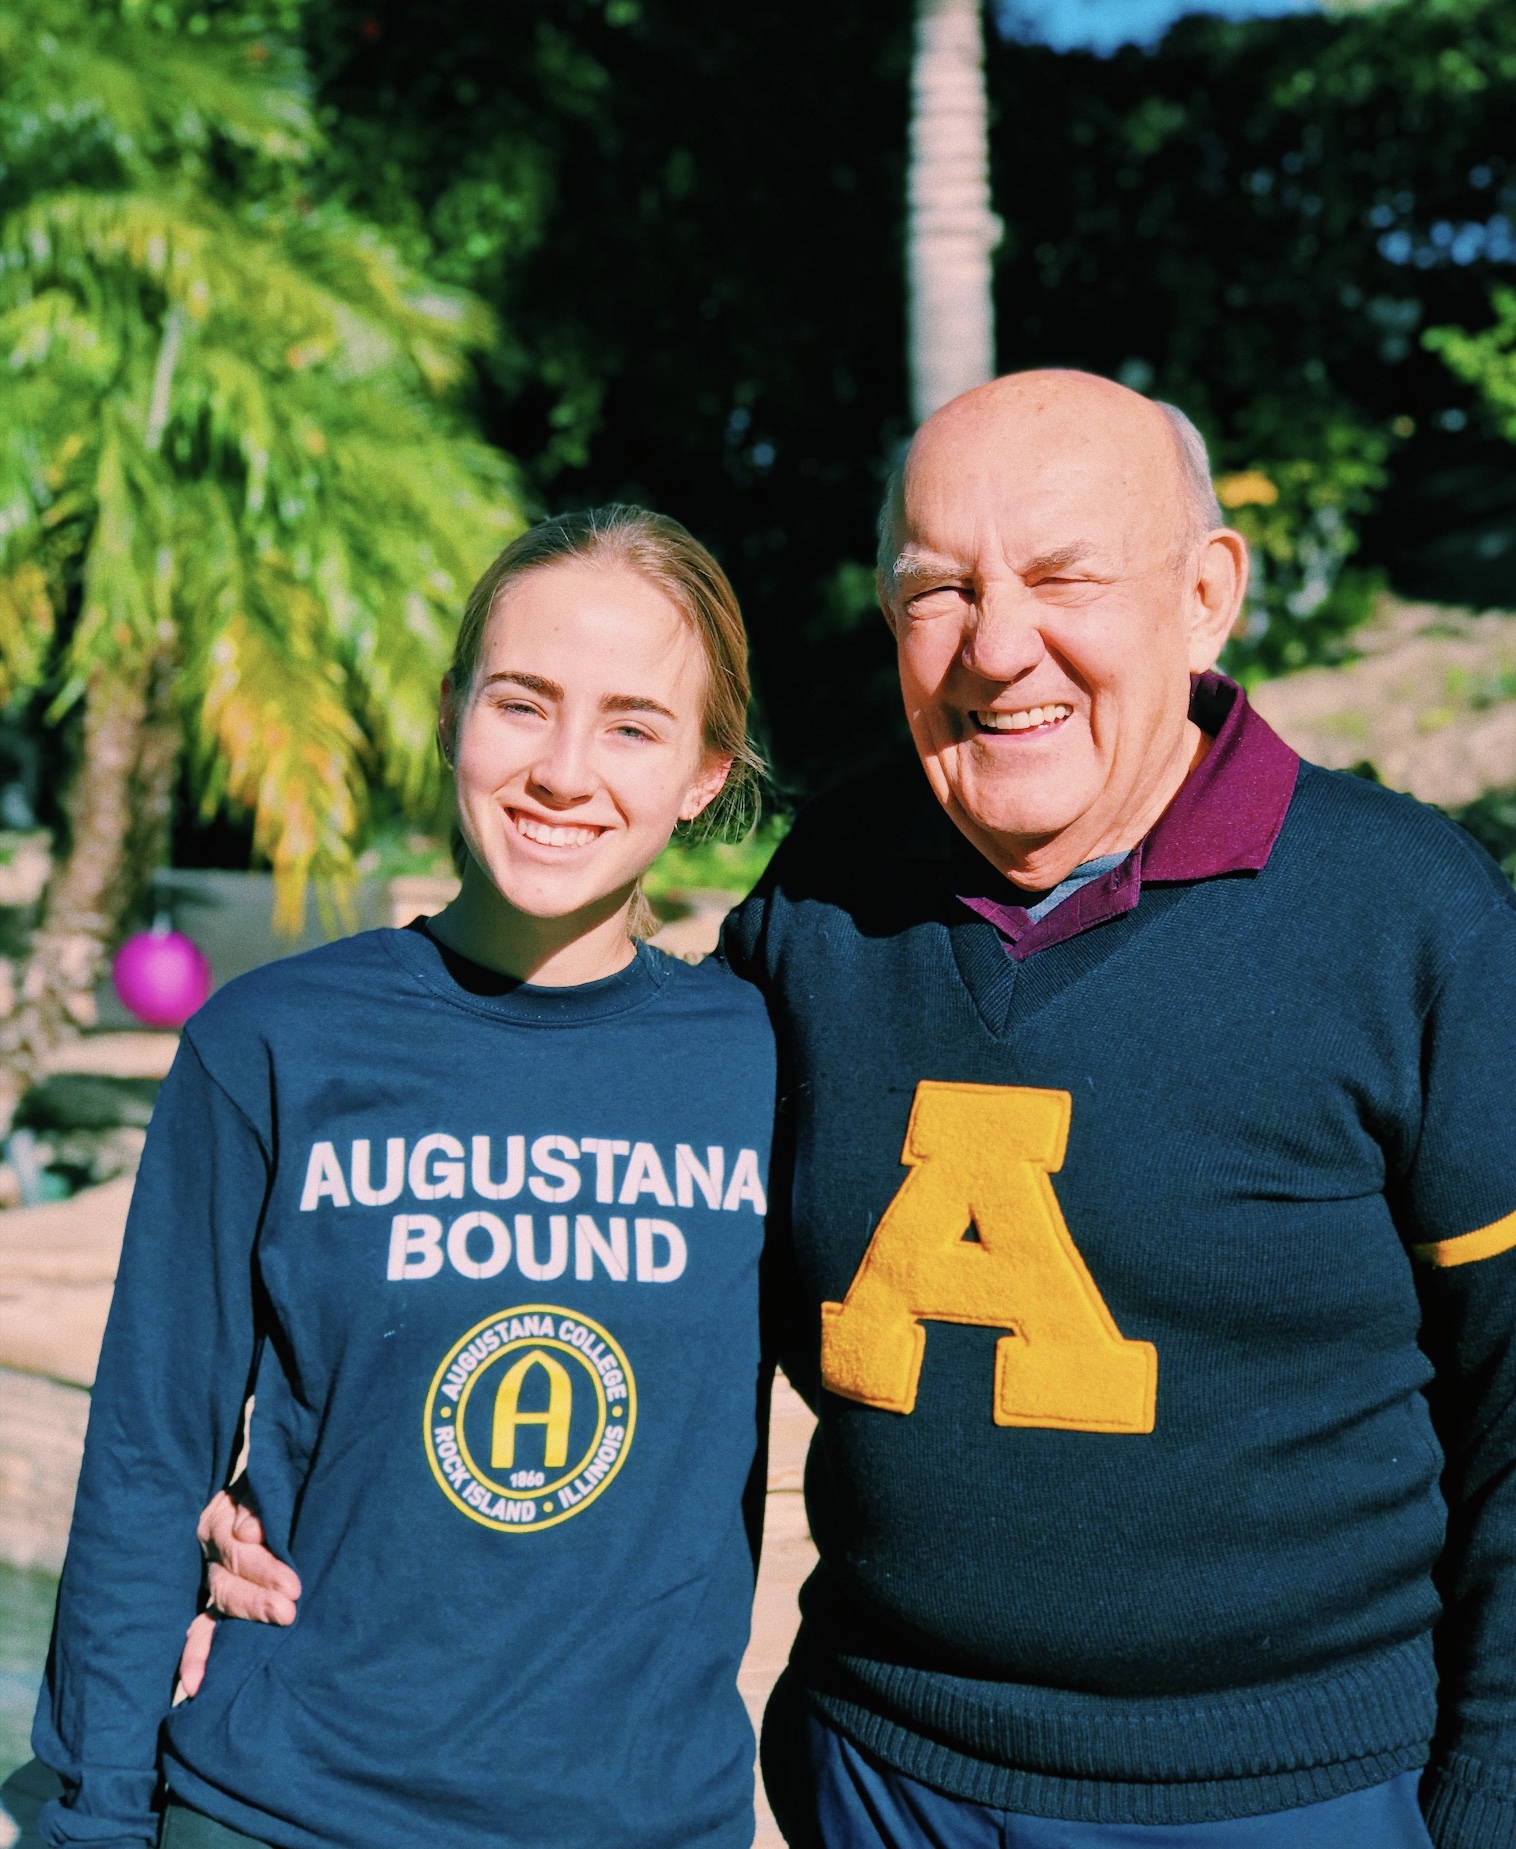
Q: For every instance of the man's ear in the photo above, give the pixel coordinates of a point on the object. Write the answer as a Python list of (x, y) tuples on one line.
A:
[(708, 785), (1217, 589)]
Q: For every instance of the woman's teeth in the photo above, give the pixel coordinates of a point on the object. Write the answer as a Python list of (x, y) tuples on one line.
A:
[(555, 835), (1027, 720)]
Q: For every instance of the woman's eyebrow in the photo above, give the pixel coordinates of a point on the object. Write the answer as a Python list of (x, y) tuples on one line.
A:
[(533, 683), (550, 690), (634, 703)]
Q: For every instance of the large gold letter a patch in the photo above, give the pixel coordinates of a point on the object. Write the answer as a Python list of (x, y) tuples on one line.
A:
[(980, 1156)]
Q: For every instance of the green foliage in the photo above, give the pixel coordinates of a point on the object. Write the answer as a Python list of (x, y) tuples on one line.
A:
[(1254, 221), (692, 235), (1486, 360), (464, 177), (720, 866), (225, 429), (1296, 500)]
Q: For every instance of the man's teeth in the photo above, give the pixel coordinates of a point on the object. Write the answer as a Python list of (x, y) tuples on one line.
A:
[(1026, 720), (554, 835)]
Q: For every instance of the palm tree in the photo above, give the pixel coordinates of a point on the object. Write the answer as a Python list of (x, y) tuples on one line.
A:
[(237, 513), (952, 231)]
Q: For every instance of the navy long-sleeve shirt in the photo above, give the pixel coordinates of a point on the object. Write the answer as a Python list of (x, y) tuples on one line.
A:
[(488, 1255), (1155, 1282)]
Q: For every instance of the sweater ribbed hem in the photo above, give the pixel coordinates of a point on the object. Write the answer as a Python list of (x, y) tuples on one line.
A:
[(1101, 1759), (1470, 1805)]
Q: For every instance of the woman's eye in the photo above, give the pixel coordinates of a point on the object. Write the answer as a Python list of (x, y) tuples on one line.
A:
[(632, 731)]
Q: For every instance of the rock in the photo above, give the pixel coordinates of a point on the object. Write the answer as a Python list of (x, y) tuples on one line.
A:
[(57, 1267), (116, 1055), (41, 1443)]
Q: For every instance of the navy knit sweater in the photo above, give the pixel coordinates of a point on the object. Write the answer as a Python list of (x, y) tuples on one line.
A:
[(1164, 1275)]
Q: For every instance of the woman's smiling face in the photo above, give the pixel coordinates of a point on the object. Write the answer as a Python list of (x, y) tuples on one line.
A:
[(579, 745)]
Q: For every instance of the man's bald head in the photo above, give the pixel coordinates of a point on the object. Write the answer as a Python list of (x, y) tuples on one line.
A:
[(1054, 567), (995, 412)]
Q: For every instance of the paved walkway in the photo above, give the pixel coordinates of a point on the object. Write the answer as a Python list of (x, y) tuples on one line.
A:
[(788, 1556)]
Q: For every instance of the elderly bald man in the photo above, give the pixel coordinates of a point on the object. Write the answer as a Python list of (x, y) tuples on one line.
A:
[(1151, 1117)]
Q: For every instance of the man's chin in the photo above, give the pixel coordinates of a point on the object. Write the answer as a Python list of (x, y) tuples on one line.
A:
[(1025, 818)]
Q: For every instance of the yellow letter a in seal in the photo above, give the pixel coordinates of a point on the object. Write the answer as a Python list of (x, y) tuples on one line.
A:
[(509, 1417), (981, 1156)]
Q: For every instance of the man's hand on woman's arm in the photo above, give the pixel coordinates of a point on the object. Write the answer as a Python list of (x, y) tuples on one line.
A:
[(244, 1580)]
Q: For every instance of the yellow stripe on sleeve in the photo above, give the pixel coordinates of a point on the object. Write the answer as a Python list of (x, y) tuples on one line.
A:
[(1469, 1248)]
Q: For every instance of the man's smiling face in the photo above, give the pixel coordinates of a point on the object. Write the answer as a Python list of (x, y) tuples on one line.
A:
[(1048, 591)]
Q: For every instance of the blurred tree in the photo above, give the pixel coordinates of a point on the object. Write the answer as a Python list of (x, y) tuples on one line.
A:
[(1255, 220), (693, 231), (1486, 360), (951, 230), (238, 514), (695, 240)]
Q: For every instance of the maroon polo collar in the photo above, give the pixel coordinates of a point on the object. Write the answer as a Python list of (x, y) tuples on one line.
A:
[(1225, 819)]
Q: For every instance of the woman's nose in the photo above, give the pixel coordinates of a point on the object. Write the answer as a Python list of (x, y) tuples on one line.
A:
[(563, 772)]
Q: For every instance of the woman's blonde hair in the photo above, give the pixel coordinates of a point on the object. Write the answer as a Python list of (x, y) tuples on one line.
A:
[(661, 551)]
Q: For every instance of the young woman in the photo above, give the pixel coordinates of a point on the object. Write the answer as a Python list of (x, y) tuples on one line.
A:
[(474, 1209)]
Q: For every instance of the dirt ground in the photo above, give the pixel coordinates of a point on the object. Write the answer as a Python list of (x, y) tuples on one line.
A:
[(1430, 702)]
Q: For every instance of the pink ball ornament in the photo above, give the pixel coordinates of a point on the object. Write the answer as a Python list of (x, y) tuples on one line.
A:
[(161, 977)]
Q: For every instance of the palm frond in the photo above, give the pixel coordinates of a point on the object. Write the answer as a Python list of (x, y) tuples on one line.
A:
[(151, 95), (225, 428), (26, 628), (275, 737)]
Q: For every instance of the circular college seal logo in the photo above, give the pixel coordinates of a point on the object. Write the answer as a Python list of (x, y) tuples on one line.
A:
[(529, 1417)]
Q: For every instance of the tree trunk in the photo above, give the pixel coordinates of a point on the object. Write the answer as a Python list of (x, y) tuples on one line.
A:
[(83, 901), (149, 845), (952, 230)]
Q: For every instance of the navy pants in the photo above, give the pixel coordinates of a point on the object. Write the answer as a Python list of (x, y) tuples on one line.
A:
[(827, 1793), (32, 1785), (184, 1828)]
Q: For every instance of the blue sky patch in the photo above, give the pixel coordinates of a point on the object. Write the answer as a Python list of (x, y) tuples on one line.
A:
[(1105, 25)]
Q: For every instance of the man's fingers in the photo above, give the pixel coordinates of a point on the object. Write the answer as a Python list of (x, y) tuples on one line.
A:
[(223, 1523), (248, 1561), (196, 1652), (231, 1538), (236, 1595), (217, 1519), (247, 1527)]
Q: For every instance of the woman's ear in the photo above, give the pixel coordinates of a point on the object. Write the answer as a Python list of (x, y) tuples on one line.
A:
[(707, 786)]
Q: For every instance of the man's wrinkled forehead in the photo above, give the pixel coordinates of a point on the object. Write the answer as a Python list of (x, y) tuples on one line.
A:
[(1028, 475)]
